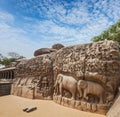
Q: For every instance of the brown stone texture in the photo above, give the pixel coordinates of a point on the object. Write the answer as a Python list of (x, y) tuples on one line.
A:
[(115, 109), (85, 77), (5, 88), (43, 51), (97, 64), (57, 46), (34, 78)]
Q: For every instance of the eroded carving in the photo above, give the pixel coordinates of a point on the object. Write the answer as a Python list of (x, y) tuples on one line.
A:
[(88, 89), (65, 82), (96, 64)]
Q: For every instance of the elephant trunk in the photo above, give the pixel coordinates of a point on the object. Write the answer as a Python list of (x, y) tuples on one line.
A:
[(55, 83), (79, 91), (55, 87)]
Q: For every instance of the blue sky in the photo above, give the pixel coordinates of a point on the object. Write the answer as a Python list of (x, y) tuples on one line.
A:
[(26, 25)]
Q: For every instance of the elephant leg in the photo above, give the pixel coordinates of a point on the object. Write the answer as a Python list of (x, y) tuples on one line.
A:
[(56, 90), (60, 89), (85, 95), (101, 100), (73, 96), (80, 92)]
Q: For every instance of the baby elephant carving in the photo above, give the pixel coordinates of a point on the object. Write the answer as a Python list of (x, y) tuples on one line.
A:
[(88, 87)]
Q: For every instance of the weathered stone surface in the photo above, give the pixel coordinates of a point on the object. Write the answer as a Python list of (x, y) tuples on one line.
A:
[(57, 46), (97, 64), (5, 88), (85, 77), (115, 109), (35, 75), (43, 51)]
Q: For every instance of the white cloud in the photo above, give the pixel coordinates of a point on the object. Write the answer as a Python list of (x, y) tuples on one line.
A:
[(64, 24), (6, 17), (15, 39)]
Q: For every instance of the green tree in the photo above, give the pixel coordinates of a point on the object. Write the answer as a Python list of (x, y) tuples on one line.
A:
[(7, 61), (112, 33), (15, 55)]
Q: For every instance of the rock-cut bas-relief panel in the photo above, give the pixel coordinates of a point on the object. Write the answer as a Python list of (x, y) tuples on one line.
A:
[(87, 76), (34, 78)]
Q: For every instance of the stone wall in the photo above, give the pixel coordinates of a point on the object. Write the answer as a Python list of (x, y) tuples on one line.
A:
[(115, 108), (85, 77), (95, 70), (34, 77), (5, 88)]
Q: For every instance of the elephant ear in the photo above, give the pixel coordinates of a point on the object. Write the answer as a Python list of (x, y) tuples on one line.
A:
[(83, 84)]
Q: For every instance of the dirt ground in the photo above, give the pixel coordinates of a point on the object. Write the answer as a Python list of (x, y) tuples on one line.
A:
[(12, 106)]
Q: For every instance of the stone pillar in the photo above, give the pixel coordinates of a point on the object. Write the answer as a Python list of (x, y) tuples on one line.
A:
[(12, 74), (0, 75), (5, 74)]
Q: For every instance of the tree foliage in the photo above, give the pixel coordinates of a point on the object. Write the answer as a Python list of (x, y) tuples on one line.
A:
[(7, 61), (112, 33), (15, 55)]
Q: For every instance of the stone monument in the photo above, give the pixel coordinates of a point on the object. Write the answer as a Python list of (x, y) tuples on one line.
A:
[(85, 77)]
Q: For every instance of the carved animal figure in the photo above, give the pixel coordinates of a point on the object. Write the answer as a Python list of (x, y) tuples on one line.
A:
[(109, 97), (66, 82), (88, 87)]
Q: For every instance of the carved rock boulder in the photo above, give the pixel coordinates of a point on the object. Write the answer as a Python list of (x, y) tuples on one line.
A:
[(43, 51), (34, 78), (97, 64)]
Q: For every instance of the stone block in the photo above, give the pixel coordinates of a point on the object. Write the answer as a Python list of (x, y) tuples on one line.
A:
[(89, 106), (72, 103), (94, 107), (84, 106), (59, 99), (78, 105), (102, 108), (19, 91), (64, 101), (27, 93)]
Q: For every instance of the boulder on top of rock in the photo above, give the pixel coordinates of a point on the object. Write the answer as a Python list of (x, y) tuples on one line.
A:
[(57, 46), (43, 51)]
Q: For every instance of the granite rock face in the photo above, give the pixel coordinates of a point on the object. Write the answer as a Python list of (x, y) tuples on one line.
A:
[(85, 77), (95, 67), (115, 108), (34, 78), (43, 51), (57, 46)]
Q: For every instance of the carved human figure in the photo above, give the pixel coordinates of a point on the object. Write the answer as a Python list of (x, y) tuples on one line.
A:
[(66, 82), (88, 87)]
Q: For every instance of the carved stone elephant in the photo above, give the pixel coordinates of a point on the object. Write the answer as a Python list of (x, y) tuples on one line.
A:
[(88, 87), (66, 82)]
